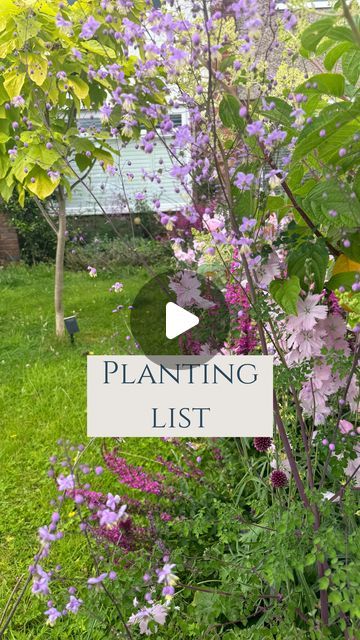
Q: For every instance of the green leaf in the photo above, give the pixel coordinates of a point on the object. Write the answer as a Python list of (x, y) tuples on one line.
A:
[(345, 279), (37, 68), (335, 53), (353, 252), (309, 262), (332, 118), (280, 113), (103, 156), (4, 165), (315, 32), (96, 47), (357, 184), (332, 195), (43, 186), (332, 84), (286, 293), (82, 161), (243, 202), (13, 82), (351, 65), (324, 583), (229, 113), (79, 86), (342, 34), (21, 162)]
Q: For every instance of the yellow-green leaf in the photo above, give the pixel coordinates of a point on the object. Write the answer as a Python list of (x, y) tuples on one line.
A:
[(100, 49), (42, 186), (37, 68), (13, 83), (80, 87)]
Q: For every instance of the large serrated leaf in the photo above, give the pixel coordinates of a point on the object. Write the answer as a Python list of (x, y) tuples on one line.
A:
[(315, 32), (286, 293), (331, 84), (309, 262), (332, 118), (351, 65), (335, 53), (280, 112), (335, 196)]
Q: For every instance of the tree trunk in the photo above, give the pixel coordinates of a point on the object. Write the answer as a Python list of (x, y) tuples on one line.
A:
[(59, 266)]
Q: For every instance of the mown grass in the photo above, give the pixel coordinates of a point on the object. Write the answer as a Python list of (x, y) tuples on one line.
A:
[(42, 399)]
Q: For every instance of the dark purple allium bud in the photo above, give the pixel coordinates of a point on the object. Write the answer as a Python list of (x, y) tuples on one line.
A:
[(278, 479), (262, 444)]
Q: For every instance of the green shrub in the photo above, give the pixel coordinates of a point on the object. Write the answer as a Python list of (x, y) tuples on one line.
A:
[(110, 254), (37, 240)]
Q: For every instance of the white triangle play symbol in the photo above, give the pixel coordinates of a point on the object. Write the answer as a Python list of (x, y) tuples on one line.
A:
[(178, 320)]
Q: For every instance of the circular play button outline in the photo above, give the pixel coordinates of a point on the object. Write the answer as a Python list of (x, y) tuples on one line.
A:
[(188, 294)]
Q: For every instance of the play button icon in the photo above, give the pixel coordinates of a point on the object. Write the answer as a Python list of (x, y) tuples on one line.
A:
[(179, 313), (178, 320)]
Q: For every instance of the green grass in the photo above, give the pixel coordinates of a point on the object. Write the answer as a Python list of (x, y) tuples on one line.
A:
[(42, 399)]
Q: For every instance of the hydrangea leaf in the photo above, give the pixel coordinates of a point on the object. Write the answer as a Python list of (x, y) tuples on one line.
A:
[(309, 262), (286, 293)]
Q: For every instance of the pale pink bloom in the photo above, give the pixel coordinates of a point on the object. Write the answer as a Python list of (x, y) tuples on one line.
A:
[(156, 613), (187, 291), (283, 465), (213, 224), (302, 346), (267, 272), (309, 312), (345, 426), (352, 396)]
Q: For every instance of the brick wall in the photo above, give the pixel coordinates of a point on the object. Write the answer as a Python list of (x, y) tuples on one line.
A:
[(9, 244)]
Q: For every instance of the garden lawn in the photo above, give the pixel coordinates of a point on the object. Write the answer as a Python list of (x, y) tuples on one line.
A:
[(42, 399)]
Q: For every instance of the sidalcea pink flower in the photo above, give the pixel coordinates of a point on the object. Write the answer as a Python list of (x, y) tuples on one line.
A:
[(345, 426), (308, 313), (187, 289)]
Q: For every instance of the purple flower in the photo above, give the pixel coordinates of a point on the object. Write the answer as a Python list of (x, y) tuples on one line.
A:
[(53, 614), (62, 23), (65, 482), (107, 517), (290, 20), (255, 128), (76, 53), (74, 604), (18, 101), (244, 180), (96, 582), (41, 581), (89, 28), (106, 111), (112, 501)]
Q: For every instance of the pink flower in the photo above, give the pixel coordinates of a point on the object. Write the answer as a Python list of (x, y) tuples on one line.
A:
[(309, 312), (187, 290), (345, 426)]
